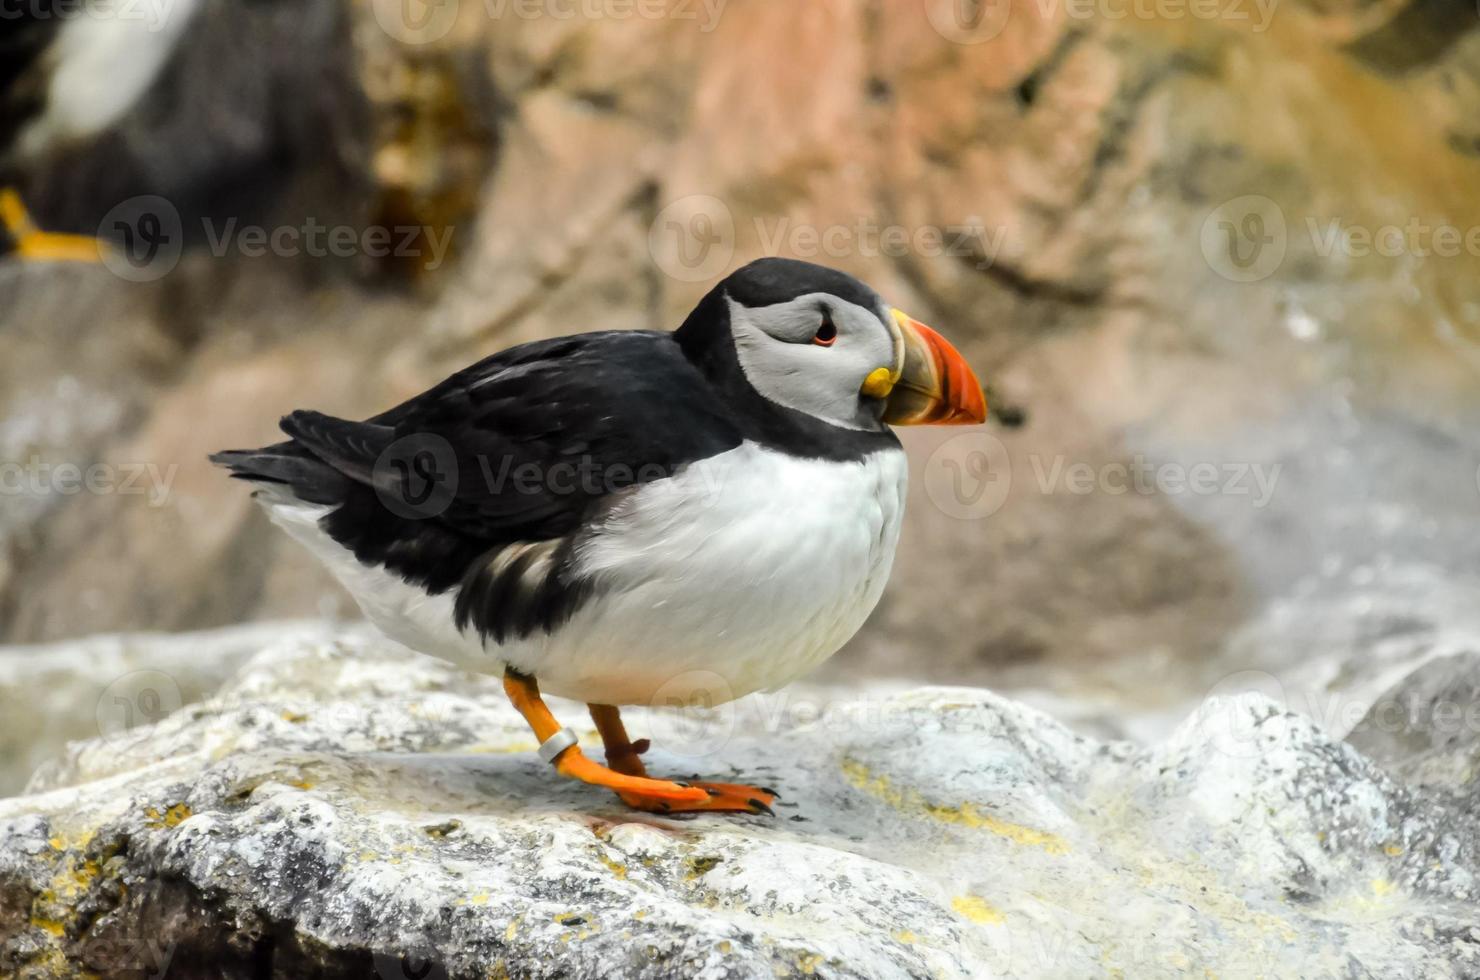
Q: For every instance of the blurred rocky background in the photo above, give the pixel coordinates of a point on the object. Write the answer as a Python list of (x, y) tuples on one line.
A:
[(1225, 254)]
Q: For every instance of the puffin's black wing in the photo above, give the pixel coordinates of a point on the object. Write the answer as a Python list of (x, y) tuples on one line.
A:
[(542, 432), (482, 481)]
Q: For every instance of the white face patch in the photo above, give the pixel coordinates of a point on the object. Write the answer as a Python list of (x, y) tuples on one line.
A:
[(776, 348)]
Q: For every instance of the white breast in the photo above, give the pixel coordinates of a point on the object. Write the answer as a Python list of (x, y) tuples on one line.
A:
[(737, 575)]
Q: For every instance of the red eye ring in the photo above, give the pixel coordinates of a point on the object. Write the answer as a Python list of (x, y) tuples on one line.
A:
[(827, 334)]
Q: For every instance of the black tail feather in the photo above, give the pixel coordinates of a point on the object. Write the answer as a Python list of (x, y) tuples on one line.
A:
[(352, 448), (309, 478)]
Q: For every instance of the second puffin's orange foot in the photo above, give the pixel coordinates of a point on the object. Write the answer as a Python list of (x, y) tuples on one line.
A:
[(50, 246), (723, 798)]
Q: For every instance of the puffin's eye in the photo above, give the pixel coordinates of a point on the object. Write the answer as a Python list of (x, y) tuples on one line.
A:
[(826, 334)]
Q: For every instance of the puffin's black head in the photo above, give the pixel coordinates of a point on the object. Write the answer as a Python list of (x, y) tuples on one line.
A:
[(818, 341)]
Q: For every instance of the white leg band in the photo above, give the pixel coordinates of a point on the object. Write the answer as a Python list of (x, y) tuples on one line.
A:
[(556, 744)]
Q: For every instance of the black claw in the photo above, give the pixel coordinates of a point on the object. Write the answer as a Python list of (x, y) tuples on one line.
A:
[(642, 745), (762, 808), (680, 782), (774, 794)]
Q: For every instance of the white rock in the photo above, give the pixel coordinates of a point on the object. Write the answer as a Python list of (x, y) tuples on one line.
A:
[(342, 804)]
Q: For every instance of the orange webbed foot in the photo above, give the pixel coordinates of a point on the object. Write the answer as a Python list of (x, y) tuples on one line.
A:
[(721, 798), (624, 755)]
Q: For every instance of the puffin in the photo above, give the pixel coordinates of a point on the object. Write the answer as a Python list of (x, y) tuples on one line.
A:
[(68, 73), (634, 517)]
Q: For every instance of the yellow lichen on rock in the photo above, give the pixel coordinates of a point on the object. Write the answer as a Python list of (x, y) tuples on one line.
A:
[(614, 866), (965, 814), (170, 818), (977, 909), (52, 926)]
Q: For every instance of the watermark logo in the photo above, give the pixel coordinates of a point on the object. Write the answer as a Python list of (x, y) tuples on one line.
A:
[(409, 966), (135, 701), (142, 238), (969, 476), (1244, 240), (968, 21), (1247, 710), (700, 719), (693, 239), (1230, 718), (416, 21), (416, 476), (146, 237), (124, 956)]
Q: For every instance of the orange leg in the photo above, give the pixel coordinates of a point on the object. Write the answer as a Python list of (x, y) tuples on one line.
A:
[(627, 777), (43, 246), (623, 755), (524, 692)]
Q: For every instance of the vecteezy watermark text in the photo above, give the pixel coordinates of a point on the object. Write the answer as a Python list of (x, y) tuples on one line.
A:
[(428, 21), (146, 237), (705, 12), (868, 238), (978, 21), (154, 14), (419, 475), (319, 241), (970, 477), (693, 238), (1145, 477), (39, 477), (1246, 239)]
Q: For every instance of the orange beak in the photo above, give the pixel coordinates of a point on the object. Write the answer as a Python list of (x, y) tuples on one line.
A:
[(935, 385)]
